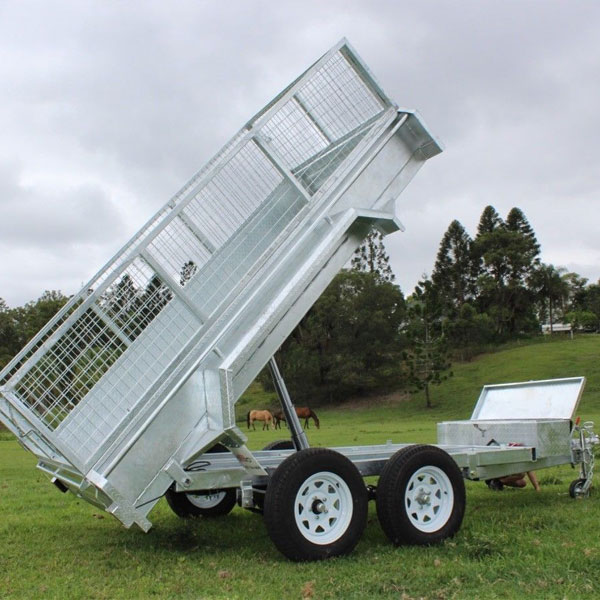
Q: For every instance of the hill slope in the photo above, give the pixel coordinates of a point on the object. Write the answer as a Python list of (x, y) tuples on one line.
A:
[(405, 419), (548, 359)]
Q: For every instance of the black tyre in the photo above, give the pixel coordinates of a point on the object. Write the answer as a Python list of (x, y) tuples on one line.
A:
[(315, 505), (420, 496), (576, 488), (259, 491), (202, 503), (280, 445)]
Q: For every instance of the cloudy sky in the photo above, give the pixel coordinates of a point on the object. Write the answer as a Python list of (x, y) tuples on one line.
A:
[(107, 108)]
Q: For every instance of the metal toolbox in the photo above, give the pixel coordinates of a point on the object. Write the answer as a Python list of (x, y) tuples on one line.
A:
[(549, 437), (533, 413)]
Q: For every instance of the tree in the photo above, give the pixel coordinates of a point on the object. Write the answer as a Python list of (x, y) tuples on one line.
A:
[(124, 304), (427, 356), (371, 257), (583, 319), (468, 332), (517, 221), (9, 337), (349, 342), (509, 255), (34, 315), (19, 325), (489, 221), (125, 295), (591, 301), (582, 308), (522, 264), (577, 291), (155, 297), (453, 272), (187, 272)]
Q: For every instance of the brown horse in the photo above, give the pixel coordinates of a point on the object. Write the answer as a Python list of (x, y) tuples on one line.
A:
[(259, 415), (303, 412), (277, 418)]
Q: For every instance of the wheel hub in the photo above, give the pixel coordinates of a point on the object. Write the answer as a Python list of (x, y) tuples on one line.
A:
[(319, 506), (206, 500), (423, 497), (429, 499), (323, 508)]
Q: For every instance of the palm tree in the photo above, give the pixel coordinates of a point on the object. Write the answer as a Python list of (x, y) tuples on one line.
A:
[(550, 286)]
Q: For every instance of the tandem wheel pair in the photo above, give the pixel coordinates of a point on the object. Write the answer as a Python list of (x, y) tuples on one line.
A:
[(315, 505)]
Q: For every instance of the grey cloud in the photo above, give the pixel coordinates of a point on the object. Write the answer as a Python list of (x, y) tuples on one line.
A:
[(108, 108), (49, 218)]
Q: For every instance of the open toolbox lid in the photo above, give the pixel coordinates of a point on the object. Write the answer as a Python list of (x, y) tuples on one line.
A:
[(547, 399)]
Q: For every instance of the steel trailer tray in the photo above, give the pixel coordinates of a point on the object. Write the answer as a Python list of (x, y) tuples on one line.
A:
[(139, 373)]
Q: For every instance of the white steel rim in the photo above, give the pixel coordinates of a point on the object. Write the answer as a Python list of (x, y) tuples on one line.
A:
[(323, 508), (206, 499), (429, 499)]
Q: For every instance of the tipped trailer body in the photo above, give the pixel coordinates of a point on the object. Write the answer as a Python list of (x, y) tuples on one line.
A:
[(129, 392)]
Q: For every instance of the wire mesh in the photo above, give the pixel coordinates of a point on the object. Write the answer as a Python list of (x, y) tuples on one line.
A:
[(244, 183), (332, 103), (338, 98), (70, 369), (139, 298)]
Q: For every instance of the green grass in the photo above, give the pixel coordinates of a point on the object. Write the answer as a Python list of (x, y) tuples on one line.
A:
[(513, 543)]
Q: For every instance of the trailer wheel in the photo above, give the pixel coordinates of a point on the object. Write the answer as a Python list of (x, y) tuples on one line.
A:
[(315, 505), (203, 503), (420, 496), (280, 445), (576, 488)]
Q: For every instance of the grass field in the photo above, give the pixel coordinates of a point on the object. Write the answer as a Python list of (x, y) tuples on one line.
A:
[(512, 544)]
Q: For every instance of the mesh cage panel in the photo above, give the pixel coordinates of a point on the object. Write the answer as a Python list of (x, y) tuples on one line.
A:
[(332, 103), (175, 247), (233, 194), (70, 369), (134, 300), (338, 98)]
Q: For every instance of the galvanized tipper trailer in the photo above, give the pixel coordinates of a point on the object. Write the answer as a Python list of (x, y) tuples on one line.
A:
[(129, 393)]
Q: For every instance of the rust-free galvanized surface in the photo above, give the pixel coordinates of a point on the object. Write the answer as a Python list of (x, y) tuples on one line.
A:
[(140, 372), (545, 399)]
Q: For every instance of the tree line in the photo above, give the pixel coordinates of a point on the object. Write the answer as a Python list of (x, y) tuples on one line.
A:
[(494, 287), (19, 325), (363, 336)]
